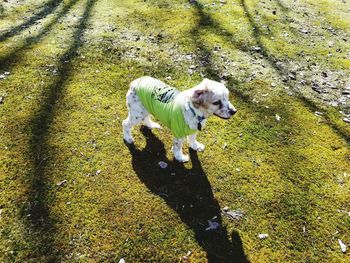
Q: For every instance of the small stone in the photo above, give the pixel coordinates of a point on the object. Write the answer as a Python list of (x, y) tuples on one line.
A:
[(318, 113), (189, 57), (342, 246), (255, 48), (192, 67), (225, 209), (347, 120), (292, 76), (185, 258), (278, 118), (273, 84), (168, 78), (316, 87), (62, 183), (2, 76), (304, 31), (163, 165), (1, 99), (263, 236), (238, 170), (98, 172), (224, 146), (303, 82), (222, 2), (122, 260)]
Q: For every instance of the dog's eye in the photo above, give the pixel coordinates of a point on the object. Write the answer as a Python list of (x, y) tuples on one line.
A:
[(217, 102)]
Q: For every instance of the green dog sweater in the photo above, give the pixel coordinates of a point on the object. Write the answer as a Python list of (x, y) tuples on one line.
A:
[(163, 102)]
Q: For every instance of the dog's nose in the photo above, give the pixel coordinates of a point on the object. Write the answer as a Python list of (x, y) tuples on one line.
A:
[(232, 111)]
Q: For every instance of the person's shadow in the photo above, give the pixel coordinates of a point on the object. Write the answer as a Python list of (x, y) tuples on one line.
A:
[(189, 193)]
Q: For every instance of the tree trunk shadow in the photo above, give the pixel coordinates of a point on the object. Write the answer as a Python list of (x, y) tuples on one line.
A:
[(206, 21), (40, 223), (10, 59), (189, 193), (46, 10)]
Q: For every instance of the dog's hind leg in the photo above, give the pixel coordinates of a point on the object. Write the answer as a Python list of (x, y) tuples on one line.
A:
[(137, 113), (151, 124), (177, 151), (194, 144)]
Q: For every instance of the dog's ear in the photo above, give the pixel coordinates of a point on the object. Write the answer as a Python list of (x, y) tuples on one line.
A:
[(199, 96)]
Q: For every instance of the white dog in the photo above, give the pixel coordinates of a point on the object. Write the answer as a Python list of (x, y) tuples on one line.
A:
[(183, 112)]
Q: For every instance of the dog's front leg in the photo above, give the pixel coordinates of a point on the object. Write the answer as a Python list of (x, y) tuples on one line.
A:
[(194, 144), (177, 151)]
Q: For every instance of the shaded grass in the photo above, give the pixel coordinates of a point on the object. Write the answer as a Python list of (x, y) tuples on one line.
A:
[(189, 193)]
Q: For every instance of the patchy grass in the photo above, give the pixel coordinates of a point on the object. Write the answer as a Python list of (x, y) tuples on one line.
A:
[(72, 191)]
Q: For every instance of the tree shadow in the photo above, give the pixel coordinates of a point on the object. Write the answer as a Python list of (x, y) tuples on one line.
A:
[(12, 57), (282, 6), (205, 59), (295, 203), (205, 20), (48, 8), (40, 223), (283, 72), (2, 9), (189, 193)]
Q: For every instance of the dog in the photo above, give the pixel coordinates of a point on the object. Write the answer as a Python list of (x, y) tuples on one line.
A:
[(184, 112)]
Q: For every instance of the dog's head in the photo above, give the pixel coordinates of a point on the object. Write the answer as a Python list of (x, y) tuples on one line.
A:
[(212, 98)]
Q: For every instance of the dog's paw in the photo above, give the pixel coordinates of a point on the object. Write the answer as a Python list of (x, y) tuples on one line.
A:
[(182, 158), (197, 146), (129, 140), (153, 125)]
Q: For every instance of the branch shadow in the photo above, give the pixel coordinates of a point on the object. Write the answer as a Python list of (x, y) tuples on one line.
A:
[(48, 8), (307, 102), (293, 209), (40, 223), (205, 20), (14, 55), (282, 6), (2, 9), (189, 193)]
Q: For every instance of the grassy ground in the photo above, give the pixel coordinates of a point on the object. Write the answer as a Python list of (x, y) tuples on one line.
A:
[(72, 191)]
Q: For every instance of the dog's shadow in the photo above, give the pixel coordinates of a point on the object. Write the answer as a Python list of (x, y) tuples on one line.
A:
[(189, 193)]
